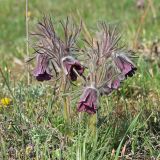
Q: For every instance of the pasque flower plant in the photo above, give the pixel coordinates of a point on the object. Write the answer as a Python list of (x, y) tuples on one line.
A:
[(55, 55), (108, 63)]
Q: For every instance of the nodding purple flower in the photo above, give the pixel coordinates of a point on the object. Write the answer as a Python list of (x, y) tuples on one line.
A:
[(71, 66), (125, 65), (114, 84), (88, 101), (110, 86), (42, 71)]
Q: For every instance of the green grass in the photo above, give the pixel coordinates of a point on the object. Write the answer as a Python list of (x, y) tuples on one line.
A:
[(33, 126)]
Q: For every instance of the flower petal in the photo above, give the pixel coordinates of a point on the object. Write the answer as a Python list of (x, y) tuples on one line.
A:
[(70, 65), (88, 101), (42, 71)]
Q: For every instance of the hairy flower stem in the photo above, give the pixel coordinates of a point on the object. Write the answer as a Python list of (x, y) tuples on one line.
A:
[(67, 109), (97, 126), (66, 102)]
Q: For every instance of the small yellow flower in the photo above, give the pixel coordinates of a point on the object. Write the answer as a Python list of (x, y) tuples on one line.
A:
[(29, 149), (28, 14), (5, 101)]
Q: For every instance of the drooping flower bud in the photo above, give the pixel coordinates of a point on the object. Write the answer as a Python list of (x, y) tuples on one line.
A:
[(42, 71), (88, 101), (125, 65)]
